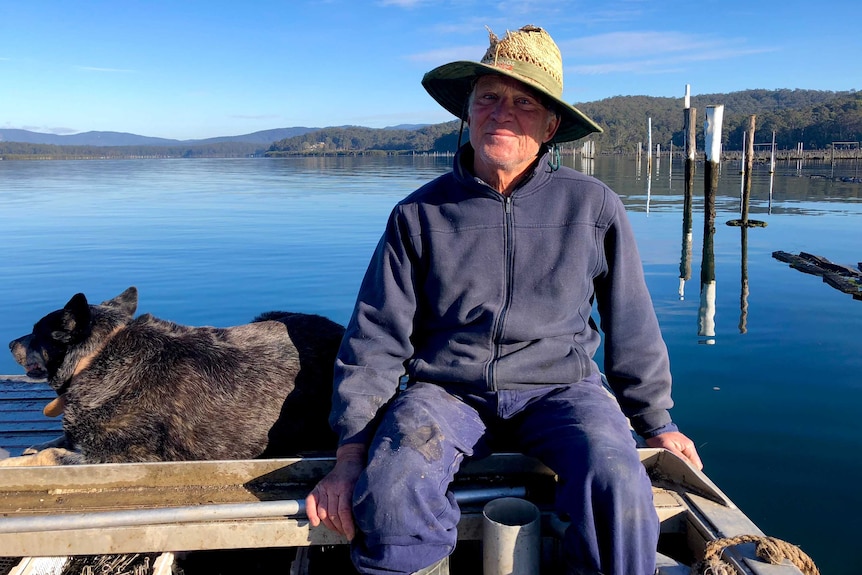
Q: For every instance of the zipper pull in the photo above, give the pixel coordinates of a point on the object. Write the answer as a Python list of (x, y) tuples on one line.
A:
[(402, 382)]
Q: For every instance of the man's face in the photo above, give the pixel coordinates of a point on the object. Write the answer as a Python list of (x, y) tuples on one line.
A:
[(507, 123)]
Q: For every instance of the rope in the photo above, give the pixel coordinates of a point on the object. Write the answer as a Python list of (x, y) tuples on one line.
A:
[(768, 549)]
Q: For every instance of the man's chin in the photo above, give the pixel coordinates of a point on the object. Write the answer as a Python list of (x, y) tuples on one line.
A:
[(502, 159)]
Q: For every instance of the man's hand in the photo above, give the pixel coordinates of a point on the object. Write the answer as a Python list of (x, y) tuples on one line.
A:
[(677, 443), (331, 500)]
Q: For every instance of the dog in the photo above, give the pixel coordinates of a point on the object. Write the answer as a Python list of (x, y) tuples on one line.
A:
[(146, 389)]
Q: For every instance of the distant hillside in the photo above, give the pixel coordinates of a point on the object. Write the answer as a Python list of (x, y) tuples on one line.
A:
[(433, 138), (124, 139), (814, 118)]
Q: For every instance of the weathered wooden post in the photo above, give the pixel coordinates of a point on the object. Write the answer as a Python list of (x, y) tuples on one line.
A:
[(771, 172), (749, 166), (746, 180), (712, 134), (689, 115), (772, 155)]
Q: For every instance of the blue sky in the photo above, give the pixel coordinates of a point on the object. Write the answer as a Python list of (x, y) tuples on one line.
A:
[(192, 69)]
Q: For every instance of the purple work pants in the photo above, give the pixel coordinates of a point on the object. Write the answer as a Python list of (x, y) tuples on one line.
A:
[(407, 516)]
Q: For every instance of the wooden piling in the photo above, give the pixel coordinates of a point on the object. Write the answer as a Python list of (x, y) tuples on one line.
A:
[(689, 116), (749, 166), (771, 172), (745, 195), (690, 147)]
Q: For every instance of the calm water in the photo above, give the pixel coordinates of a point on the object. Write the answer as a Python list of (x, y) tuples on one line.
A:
[(771, 397)]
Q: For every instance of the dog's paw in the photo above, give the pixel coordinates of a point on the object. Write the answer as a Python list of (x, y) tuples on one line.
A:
[(50, 456)]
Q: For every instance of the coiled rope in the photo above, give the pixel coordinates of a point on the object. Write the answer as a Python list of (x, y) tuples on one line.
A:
[(768, 549)]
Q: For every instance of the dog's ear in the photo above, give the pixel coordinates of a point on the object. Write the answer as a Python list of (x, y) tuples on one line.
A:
[(74, 319), (78, 304), (126, 302)]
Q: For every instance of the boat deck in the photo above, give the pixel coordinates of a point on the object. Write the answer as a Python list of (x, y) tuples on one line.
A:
[(213, 506)]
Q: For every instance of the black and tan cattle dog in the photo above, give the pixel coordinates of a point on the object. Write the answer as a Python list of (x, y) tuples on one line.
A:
[(145, 389)]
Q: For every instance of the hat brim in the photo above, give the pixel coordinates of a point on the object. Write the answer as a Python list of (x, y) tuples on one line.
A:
[(450, 86)]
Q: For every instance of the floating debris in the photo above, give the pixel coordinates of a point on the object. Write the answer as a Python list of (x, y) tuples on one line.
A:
[(841, 277), (747, 223)]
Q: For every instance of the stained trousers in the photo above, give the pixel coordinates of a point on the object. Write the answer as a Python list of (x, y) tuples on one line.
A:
[(407, 516)]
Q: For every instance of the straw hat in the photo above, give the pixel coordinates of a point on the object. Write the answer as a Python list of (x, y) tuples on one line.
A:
[(528, 55)]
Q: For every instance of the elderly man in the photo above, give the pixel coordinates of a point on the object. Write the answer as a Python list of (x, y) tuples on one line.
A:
[(473, 323)]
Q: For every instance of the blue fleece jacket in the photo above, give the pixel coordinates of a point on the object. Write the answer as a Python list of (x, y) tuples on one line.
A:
[(472, 288)]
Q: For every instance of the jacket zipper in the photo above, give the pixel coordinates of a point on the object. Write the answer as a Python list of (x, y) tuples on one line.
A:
[(508, 273)]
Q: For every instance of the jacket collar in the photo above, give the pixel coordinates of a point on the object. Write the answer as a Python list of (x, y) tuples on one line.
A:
[(463, 170)]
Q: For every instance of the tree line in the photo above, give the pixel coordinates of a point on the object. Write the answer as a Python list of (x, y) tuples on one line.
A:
[(813, 118), (348, 139)]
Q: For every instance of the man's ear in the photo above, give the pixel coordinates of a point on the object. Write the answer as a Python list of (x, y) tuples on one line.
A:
[(553, 126)]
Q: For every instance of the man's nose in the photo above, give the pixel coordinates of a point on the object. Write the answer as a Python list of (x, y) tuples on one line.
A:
[(503, 108)]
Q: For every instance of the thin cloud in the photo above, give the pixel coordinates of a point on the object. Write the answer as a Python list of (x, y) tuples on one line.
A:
[(255, 117), (105, 70), (448, 54), (616, 44), (403, 3), (650, 52)]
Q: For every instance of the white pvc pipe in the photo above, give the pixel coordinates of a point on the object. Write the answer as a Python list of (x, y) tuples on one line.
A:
[(511, 537), (712, 133)]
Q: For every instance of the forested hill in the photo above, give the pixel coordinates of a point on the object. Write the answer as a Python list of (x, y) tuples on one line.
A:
[(814, 118), (347, 139)]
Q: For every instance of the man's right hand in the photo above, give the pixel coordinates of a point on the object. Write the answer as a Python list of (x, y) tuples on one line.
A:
[(331, 500)]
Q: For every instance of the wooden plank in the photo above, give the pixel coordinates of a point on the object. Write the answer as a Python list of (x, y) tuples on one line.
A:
[(12, 423), (843, 278), (24, 405), (22, 423)]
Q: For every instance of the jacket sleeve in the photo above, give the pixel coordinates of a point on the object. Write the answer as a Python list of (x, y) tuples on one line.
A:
[(636, 361), (376, 343)]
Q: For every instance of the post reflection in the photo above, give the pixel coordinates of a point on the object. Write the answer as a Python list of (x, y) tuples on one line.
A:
[(685, 258), (743, 288), (706, 311)]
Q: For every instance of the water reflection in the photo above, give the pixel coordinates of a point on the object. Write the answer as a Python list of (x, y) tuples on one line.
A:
[(743, 288), (685, 259), (706, 311)]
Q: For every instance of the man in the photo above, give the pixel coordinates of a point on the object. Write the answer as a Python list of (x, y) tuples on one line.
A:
[(478, 299)]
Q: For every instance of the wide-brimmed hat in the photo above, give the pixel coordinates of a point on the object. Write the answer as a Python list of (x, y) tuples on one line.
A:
[(528, 55)]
